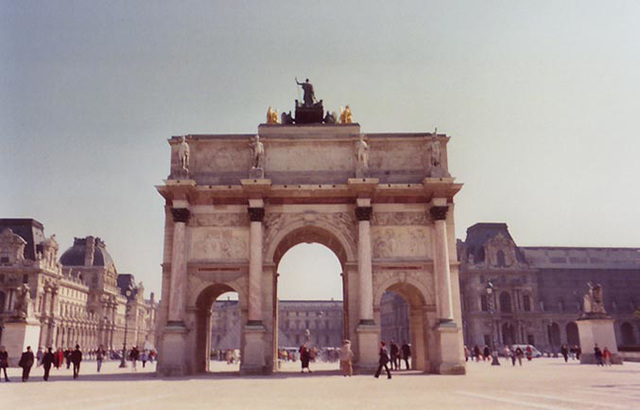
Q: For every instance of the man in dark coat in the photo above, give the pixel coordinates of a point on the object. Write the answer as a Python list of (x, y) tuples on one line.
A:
[(382, 362), (406, 353), (26, 362), (4, 362), (394, 356), (76, 358), (47, 361)]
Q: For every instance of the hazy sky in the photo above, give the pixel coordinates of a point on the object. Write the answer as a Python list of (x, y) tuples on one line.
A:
[(541, 99)]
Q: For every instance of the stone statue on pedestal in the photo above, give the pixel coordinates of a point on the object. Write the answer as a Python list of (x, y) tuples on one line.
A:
[(23, 300), (434, 148), (183, 155), (257, 163), (309, 97), (272, 116), (593, 300), (345, 115), (362, 157)]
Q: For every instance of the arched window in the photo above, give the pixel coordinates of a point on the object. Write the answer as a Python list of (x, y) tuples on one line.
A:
[(500, 258), (572, 334), (554, 335), (505, 302), (508, 334), (628, 338)]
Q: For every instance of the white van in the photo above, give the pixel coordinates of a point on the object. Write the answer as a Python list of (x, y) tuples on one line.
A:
[(535, 352)]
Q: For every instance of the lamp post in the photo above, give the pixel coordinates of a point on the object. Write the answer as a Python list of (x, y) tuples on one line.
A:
[(490, 298), (126, 328)]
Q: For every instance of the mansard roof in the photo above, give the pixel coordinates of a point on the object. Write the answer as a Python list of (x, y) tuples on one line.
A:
[(479, 234), (30, 230)]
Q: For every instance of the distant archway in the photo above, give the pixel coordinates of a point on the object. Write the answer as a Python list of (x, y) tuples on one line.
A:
[(554, 335), (573, 338)]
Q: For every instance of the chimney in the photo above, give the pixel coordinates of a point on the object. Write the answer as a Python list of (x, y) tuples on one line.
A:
[(90, 248)]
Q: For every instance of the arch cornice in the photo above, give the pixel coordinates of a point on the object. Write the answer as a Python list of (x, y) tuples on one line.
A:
[(382, 281)]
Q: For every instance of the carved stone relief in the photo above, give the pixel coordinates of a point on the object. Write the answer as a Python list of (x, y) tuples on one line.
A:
[(220, 219), (219, 244), (390, 242), (500, 243), (399, 218), (12, 245)]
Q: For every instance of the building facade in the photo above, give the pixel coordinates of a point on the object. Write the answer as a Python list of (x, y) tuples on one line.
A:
[(46, 301), (533, 295)]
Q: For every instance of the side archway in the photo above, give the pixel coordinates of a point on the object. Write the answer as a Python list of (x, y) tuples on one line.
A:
[(203, 306)]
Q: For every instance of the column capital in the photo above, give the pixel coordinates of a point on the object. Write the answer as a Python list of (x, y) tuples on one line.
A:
[(363, 213), (439, 213), (180, 214), (256, 214)]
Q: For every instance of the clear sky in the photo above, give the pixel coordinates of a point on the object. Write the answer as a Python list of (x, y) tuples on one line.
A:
[(541, 99)]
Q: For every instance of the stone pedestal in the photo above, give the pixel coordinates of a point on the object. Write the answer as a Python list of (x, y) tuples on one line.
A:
[(598, 331), (449, 346), (253, 359), (368, 347), (19, 334), (173, 357)]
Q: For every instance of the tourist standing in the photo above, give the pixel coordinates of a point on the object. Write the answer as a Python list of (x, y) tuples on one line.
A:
[(598, 355), (4, 362), (47, 361), (67, 356), (476, 353), (76, 358), (143, 358), (346, 357), (406, 353), (486, 353), (39, 355), (134, 356), (565, 352), (466, 353), (529, 353), (382, 362), (58, 358), (100, 357), (578, 352), (606, 355), (305, 357), (26, 362), (394, 355)]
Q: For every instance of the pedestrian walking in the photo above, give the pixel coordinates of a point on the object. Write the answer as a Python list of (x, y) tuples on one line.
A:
[(578, 352), (47, 361), (39, 355), (565, 352), (529, 352), (134, 355), (4, 362), (346, 359), (76, 358), (519, 355), (100, 353), (383, 360), (26, 362), (394, 355), (58, 358), (305, 357), (67, 356), (406, 353), (598, 355), (144, 356), (606, 355)]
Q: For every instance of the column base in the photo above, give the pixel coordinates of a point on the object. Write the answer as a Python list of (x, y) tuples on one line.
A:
[(598, 331), (449, 347), (172, 361), (368, 345), (253, 359)]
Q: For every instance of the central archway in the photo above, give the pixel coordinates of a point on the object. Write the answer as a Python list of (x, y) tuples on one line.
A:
[(327, 236)]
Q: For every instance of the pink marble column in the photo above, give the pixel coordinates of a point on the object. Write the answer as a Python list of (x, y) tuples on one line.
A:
[(256, 215), (441, 264), (178, 265), (365, 282)]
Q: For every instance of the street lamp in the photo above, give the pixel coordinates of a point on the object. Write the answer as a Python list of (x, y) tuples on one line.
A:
[(126, 328), (490, 298)]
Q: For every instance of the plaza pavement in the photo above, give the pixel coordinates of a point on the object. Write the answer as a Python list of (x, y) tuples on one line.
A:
[(540, 384)]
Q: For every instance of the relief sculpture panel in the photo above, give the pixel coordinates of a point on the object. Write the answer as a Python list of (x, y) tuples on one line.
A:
[(219, 244), (399, 242)]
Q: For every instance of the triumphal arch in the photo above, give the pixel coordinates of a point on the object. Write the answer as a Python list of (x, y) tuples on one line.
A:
[(383, 203)]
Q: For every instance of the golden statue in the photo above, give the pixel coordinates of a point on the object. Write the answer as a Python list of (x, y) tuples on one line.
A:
[(345, 115), (272, 116)]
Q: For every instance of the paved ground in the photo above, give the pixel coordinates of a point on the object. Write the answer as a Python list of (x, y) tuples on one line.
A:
[(541, 384)]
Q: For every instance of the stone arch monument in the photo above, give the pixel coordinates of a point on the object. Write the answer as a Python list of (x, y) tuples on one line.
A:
[(230, 221)]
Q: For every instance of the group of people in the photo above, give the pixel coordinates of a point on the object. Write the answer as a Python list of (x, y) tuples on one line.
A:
[(396, 356), (573, 351), (46, 359), (71, 357), (602, 357)]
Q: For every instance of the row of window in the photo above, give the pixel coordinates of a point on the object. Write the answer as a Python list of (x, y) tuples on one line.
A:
[(504, 305)]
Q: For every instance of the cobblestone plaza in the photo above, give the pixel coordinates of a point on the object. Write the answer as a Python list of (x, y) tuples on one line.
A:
[(540, 384)]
